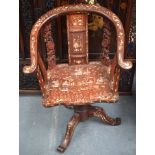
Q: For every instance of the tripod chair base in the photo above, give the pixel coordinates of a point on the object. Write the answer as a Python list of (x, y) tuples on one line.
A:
[(82, 113)]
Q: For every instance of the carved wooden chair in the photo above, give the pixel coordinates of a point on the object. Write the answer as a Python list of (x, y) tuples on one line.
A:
[(79, 83)]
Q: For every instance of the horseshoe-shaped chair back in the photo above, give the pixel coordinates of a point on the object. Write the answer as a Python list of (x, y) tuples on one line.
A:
[(76, 9)]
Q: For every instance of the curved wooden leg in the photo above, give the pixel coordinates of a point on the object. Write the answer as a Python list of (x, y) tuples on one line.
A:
[(69, 132), (101, 114)]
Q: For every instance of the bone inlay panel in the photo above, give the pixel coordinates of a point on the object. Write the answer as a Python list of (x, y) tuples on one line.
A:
[(77, 38)]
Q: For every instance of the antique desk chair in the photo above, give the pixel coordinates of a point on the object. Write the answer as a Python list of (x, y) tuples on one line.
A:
[(79, 83)]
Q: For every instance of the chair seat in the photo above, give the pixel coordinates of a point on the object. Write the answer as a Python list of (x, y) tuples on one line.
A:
[(78, 85)]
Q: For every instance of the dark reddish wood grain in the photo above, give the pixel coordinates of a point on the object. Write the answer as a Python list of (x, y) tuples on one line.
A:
[(75, 8), (81, 114), (79, 83)]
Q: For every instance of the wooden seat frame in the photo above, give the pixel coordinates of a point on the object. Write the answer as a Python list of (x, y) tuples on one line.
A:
[(81, 112)]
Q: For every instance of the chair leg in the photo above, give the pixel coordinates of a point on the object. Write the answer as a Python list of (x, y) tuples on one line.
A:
[(82, 113), (69, 132), (101, 114)]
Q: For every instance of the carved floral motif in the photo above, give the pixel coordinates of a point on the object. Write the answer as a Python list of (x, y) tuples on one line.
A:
[(50, 46), (80, 7), (106, 44)]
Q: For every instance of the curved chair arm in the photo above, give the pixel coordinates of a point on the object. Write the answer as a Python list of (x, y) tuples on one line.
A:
[(77, 8)]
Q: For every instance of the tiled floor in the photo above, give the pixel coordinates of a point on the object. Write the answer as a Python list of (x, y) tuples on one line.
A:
[(41, 129)]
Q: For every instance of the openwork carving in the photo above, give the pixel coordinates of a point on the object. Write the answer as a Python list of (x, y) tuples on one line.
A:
[(50, 46), (76, 8), (106, 44)]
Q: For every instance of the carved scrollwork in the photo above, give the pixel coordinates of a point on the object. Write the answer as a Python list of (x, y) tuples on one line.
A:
[(106, 44), (76, 8), (50, 46), (101, 114)]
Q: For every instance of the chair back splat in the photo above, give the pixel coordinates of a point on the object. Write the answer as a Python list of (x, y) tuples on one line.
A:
[(77, 30)]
